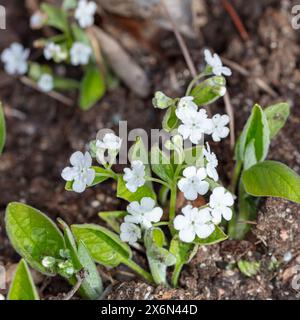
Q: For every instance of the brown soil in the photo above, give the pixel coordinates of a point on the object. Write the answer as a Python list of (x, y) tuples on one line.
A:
[(42, 134)]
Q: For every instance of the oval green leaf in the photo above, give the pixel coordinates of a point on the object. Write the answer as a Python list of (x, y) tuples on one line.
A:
[(22, 286), (104, 246), (32, 234), (273, 179)]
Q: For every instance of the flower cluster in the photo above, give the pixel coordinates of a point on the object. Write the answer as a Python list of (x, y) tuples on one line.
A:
[(144, 214), (201, 221), (195, 123)]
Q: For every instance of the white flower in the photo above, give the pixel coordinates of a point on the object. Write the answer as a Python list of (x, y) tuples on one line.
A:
[(212, 163), (110, 142), (2, 297), (219, 202), (45, 82), (130, 232), (185, 106), (85, 12), (194, 222), (37, 20), (195, 124), (215, 62), (80, 54), (81, 173), (219, 129), (143, 213), (15, 59), (193, 183), (55, 52), (135, 177)]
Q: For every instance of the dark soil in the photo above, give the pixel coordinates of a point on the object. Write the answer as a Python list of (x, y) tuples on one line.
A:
[(42, 134)]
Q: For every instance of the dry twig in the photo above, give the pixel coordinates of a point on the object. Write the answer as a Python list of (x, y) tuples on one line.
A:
[(80, 278), (53, 94), (236, 20)]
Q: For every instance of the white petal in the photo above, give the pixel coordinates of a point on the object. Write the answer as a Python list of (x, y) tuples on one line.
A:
[(87, 160), (187, 235), (68, 174), (134, 208), (154, 215), (202, 187), (226, 71), (189, 172), (204, 230), (184, 130), (90, 176), (181, 222), (203, 216), (76, 158), (228, 199), (79, 186), (216, 216), (227, 213), (147, 204), (201, 173)]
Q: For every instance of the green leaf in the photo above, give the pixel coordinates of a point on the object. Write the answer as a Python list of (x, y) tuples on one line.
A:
[(92, 88), (92, 286), (170, 120), (32, 234), (69, 4), (249, 269), (161, 164), (217, 236), (22, 286), (255, 131), (111, 218), (101, 176), (273, 179), (277, 115), (80, 35), (2, 129), (56, 17), (104, 246), (247, 210), (60, 83), (250, 156), (159, 258), (209, 91), (124, 193)]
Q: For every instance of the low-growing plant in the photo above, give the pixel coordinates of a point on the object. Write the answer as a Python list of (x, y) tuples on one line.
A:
[(151, 186), (70, 45)]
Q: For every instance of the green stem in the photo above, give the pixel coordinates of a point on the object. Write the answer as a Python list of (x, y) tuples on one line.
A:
[(172, 210), (140, 271), (176, 274), (193, 82), (157, 181), (235, 176)]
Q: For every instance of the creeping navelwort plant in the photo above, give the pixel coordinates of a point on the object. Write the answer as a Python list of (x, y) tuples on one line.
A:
[(152, 185), (71, 44)]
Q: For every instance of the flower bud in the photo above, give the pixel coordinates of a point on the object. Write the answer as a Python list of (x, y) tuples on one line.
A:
[(161, 101), (48, 262)]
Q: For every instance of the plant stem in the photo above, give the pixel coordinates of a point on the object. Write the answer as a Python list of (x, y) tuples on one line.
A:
[(157, 181), (172, 210), (235, 176), (135, 267), (193, 82), (176, 274)]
